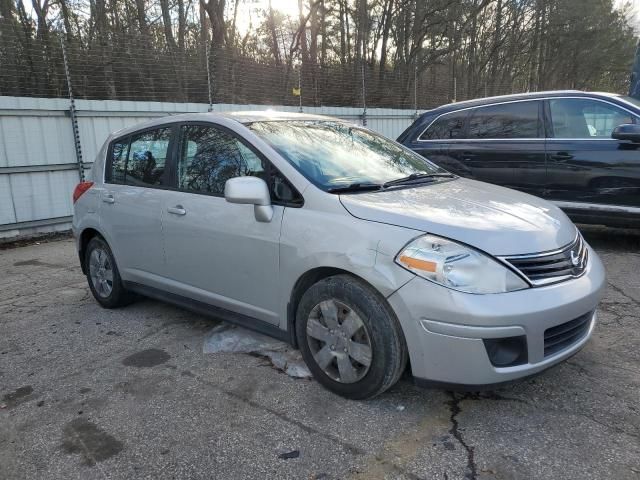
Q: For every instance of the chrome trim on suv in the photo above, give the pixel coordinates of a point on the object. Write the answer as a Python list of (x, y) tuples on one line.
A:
[(537, 99)]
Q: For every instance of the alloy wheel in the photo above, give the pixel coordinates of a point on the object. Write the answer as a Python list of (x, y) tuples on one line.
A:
[(101, 272)]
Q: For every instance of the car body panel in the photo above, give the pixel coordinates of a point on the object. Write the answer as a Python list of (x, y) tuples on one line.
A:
[(219, 248), (472, 212), (325, 235), (602, 171), (134, 224), (437, 356)]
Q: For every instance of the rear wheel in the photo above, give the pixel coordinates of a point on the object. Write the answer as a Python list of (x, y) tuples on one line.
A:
[(350, 338), (103, 276)]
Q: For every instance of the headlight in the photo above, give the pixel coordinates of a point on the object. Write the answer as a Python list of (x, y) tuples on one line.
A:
[(457, 266)]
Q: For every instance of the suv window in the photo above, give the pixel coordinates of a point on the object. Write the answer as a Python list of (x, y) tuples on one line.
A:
[(140, 159), (508, 120), (585, 118), (210, 156), (450, 125)]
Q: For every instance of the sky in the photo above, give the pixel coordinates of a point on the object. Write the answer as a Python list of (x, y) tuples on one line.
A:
[(635, 12), (248, 10), (290, 7)]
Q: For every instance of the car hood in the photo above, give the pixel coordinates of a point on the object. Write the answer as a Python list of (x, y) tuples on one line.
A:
[(497, 220)]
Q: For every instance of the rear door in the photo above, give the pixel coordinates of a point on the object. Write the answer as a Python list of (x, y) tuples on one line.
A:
[(585, 165), (131, 208), (504, 145), (217, 252)]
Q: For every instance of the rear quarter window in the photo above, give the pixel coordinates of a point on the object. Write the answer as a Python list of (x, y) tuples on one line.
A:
[(119, 152)]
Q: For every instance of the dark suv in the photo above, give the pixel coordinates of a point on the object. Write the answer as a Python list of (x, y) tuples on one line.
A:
[(580, 150)]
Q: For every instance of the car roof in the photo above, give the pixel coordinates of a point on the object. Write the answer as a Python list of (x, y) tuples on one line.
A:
[(517, 96), (240, 117)]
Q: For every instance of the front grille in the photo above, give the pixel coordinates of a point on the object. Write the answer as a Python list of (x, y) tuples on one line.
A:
[(545, 268), (562, 336)]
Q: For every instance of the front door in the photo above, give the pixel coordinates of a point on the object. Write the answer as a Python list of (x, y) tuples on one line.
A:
[(586, 165), (217, 252), (131, 203)]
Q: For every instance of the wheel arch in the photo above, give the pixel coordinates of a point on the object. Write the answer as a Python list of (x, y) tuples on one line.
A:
[(304, 282), (83, 240)]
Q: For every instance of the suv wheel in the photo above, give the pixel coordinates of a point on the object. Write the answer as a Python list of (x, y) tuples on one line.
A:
[(103, 276), (350, 338)]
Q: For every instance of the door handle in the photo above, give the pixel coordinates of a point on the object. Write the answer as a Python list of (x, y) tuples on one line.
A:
[(108, 198), (562, 156), (469, 154), (177, 210)]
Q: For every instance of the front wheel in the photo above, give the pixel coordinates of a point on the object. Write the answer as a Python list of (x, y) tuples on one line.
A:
[(103, 275), (350, 338)]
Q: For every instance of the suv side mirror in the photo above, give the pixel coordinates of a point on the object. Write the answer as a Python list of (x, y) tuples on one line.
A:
[(253, 191), (627, 131)]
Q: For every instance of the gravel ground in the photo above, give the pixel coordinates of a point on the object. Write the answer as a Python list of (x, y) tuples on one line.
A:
[(92, 393)]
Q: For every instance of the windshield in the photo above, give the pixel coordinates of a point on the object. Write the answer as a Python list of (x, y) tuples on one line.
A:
[(333, 154)]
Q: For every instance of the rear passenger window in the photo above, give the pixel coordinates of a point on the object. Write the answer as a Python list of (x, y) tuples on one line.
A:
[(147, 157), (447, 126), (209, 157), (140, 159), (509, 120)]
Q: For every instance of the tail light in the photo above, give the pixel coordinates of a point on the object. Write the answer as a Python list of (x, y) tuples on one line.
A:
[(80, 189)]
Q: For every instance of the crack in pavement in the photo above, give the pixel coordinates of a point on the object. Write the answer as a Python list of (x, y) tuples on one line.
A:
[(345, 445), (454, 407), (617, 289)]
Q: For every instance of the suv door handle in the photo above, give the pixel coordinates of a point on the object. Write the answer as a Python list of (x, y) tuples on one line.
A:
[(108, 198), (562, 156), (177, 210)]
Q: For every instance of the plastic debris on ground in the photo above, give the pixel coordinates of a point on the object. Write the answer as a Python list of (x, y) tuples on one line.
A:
[(226, 338)]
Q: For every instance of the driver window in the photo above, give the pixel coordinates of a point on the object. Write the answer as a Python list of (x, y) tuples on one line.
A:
[(210, 156), (584, 118)]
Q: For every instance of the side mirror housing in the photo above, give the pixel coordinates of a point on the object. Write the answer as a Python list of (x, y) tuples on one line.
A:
[(627, 131), (253, 191)]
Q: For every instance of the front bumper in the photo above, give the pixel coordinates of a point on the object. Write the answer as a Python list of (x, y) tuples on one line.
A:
[(445, 329)]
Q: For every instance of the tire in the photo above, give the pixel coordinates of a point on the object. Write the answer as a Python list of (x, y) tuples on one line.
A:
[(327, 314), (103, 275)]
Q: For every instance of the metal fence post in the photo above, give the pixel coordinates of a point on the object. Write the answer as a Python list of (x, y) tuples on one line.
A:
[(415, 92), (300, 89), (206, 47), (364, 98), (72, 114)]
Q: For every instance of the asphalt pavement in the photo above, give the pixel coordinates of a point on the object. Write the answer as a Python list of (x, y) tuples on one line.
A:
[(125, 394)]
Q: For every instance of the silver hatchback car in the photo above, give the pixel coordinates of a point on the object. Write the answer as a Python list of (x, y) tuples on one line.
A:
[(341, 242)]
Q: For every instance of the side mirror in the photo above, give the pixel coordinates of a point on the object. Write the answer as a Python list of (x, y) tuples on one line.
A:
[(628, 131), (253, 191)]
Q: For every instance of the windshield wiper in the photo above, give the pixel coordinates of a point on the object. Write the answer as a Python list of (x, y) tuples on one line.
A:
[(355, 187), (416, 178)]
